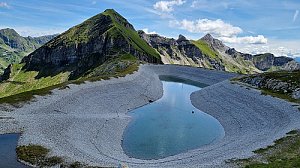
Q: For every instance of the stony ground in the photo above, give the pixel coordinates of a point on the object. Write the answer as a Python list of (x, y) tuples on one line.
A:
[(85, 122)]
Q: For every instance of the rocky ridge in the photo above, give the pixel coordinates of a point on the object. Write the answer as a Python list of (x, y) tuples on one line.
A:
[(212, 53)]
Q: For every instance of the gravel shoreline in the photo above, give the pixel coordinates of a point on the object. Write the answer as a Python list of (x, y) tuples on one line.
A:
[(85, 123)]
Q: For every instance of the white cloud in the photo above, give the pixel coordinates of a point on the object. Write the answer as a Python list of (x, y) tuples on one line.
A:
[(167, 6), (295, 15), (260, 39), (146, 30), (276, 47), (218, 28), (215, 27), (4, 5)]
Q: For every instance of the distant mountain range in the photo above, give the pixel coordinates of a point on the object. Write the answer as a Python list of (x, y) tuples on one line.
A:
[(209, 52), (14, 47), (297, 59), (107, 43)]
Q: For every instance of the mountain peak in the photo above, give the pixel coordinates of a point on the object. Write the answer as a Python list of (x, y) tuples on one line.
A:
[(208, 36), (214, 43), (8, 32), (117, 18), (90, 44), (182, 38), (110, 10)]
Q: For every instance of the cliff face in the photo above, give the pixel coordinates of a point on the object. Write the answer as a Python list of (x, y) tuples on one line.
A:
[(282, 82), (88, 45), (266, 61), (180, 51)]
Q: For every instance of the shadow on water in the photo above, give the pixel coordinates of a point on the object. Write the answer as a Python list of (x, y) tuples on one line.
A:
[(8, 156)]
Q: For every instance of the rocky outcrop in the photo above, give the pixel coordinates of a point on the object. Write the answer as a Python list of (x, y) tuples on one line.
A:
[(284, 82), (181, 51), (291, 66), (6, 74), (267, 61)]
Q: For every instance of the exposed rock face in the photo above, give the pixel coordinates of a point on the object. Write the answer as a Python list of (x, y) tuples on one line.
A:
[(269, 83), (215, 44), (266, 61), (181, 51), (282, 82), (296, 93), (291, 66), (232, 52), (89, 44), (6, 74)]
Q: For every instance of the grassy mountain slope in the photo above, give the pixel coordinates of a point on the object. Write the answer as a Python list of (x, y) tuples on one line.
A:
[(129, 34), (103, 46), (232, 64), (206, 50), (24, 84)]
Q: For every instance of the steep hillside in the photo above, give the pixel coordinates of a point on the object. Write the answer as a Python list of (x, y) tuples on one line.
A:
[(88, 45), (103, 46), (14, 47)]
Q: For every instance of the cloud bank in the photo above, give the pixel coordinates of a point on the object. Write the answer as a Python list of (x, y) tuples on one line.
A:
[(218, 28), (146, 30), (4, 5)]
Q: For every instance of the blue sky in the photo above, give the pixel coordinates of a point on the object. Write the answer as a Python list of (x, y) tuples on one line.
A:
[(255, 26)]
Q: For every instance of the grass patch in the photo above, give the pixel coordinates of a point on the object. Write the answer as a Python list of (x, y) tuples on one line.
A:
[(285, 153), (23, 81), (206, 50), (37, 155), (18, 89), (280, 95)]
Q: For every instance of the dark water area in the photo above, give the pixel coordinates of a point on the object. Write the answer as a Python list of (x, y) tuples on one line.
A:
[(8, 156)]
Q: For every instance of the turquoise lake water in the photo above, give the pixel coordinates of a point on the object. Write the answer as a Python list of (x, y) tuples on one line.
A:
[(170, 125), (8, 156)]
